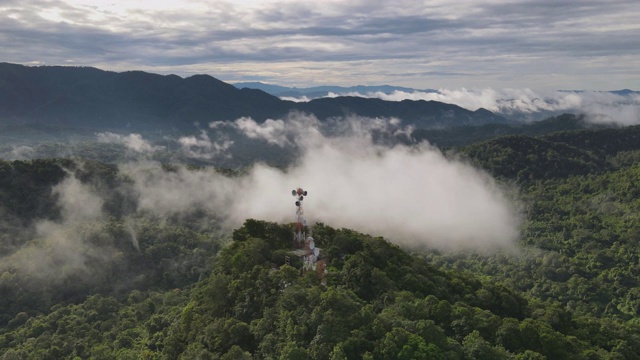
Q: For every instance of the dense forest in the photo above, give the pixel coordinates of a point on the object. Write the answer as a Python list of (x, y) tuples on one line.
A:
[(180, 287)]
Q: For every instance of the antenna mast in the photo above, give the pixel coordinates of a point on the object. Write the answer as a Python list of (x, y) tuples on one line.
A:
[(299, 234), (310, 253)]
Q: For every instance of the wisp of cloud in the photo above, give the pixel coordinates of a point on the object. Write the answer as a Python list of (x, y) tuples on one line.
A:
[(133, 142), (60, 248)]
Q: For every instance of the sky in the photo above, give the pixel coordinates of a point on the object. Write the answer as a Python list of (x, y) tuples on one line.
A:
[(536, 44)]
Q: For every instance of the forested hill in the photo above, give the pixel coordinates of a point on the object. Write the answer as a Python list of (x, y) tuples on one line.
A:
[(466, 135), (91, 98), (378, 302), (557, 155), (569, 292)]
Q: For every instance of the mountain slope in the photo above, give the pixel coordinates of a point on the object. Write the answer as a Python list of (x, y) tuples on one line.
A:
[(378, 302), (322, 91), (89, 97), (466, 135), (421, 113), (92, 98), (556, 155)]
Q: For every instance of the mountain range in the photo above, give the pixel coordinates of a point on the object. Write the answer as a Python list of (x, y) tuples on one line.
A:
[(322, 91), (90, 98)]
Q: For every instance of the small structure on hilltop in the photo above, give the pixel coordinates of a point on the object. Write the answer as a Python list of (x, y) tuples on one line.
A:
[(306, 247)]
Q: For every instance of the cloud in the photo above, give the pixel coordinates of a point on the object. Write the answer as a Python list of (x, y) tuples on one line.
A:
[(201, 146), (283, 133), (133, 142), (273, 131), (303, 98), (21, 152), (79, 203), (612, 108), (568, 44), (61, 249), (413, 195), (598, 106), (298, 129)]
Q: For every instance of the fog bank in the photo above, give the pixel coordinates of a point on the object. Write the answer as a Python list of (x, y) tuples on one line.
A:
[(411, 194), (601, 107)]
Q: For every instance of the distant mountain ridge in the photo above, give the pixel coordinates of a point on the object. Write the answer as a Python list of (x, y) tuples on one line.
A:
[(91, 98), (322, 91)]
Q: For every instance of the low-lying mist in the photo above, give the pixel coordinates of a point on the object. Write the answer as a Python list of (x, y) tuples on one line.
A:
[(413, 195), (599, 107), (60, 249), (359, 173)]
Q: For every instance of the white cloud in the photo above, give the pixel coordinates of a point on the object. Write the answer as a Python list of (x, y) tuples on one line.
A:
[(133, 142), (273, 131), (60, 248), (201, 146), (288, 132), (296, 99), (79, 203), (412, 195), (21, 152), (598, 106), (612, 108)]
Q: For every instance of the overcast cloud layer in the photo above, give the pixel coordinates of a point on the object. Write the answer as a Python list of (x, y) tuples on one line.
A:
[(539, 44)]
